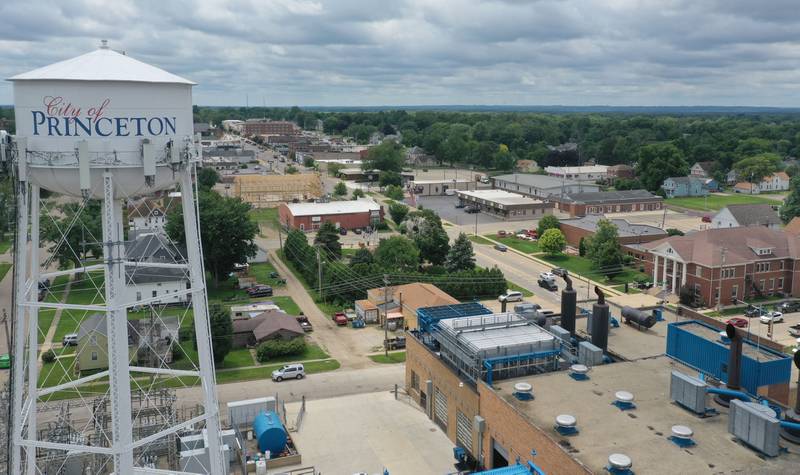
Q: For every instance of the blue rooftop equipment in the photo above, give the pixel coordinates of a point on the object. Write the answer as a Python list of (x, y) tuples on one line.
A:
[(428, 317), (269, 432)]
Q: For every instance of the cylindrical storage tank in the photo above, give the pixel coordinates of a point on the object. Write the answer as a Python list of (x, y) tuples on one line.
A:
[(113, 110), (638, 317), (269, 432)]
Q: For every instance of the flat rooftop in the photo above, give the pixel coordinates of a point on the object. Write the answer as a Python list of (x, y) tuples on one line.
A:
[(361, 205), (500, 197), (624, 228), (642, 433), (444, 181), (497, 333)]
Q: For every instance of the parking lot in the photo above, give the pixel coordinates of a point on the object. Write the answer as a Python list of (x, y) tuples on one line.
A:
[(445, 207)]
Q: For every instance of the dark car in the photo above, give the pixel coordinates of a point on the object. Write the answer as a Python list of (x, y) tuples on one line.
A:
[(260, 291), (548, 284), (460, 205), (472, 209), (500, 247), (343, 231), (788, 306), (753, 312), (357, 230)]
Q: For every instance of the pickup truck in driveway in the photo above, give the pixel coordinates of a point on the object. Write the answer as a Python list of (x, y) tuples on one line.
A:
[(340, 319)]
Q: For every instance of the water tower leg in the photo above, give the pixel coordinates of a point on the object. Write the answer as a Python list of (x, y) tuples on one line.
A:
[(33, 330), (18, 368), (117, 326), (201, 320)]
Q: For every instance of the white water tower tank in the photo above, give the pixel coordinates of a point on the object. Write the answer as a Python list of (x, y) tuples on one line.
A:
[(117, 105)]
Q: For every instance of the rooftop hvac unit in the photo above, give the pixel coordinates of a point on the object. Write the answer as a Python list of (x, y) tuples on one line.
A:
[(755, 425), (589, 355), (689, 392)]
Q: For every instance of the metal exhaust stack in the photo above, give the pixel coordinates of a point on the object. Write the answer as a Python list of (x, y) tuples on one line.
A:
[(793, 415), (734, 366), (600, 321), (569, 299)]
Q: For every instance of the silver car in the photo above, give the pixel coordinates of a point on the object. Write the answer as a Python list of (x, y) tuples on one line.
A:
[(289, 371)]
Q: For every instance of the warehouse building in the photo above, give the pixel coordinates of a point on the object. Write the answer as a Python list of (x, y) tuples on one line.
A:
[(352, 214), (540, 186), (505, 204), (441, 187), (602, 202), (590, 173)]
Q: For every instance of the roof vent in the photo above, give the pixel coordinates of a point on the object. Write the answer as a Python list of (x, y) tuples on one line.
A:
[(624, 400), (103, 44), (566, 424), (579, 372), (523, 391), (682, 436), (619, 464)]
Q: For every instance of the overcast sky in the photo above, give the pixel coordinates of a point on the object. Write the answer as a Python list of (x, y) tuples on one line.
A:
[(408, 52)]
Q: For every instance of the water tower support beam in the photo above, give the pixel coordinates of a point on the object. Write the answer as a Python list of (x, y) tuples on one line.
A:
[(201, 321), (117, 325), (33, 329), (18, 368)]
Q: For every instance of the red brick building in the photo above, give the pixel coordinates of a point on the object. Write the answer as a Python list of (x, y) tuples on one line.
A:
[(269, 127), (724, 265), (601, 202), (344, 214), (585, 227)]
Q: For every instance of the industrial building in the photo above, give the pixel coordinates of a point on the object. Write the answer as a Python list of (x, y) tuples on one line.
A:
[(540, 186), (587, 173), (628, 233), (505, 204), (350, 214), (268, 191), (440, 187), (603, 388), (401, 303), (602, 202)]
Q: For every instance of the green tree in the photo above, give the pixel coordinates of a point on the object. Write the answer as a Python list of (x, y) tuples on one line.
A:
[(758, 167), (390, 178), (582, 247), (386, 157), (362, 256), (658, 162), (358, 193), (397, 254), (221, 332), (340, 189), (207, 178), (81, 239), (291, 170), (547, 222), (604, 249), (674, 232), (461, 256), (226, 231), (328, 239), (308, 161), (552, 242), (425, 228), (394, 192), (627, 184), (791, 205), (398, 212)]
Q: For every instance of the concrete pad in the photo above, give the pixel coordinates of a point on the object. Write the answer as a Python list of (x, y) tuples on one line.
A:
[(370, 432)]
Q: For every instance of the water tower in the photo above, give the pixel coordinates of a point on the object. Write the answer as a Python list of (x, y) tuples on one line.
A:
[(103, 126)]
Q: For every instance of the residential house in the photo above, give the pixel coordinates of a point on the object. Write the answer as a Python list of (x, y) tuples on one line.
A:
[(778, 181), (726, 265), (702, 169), (734, 216), (732, 177), (153, 247), (149, 341), (269, 325), (248, 311), (167, 285), (147, 214), (711, 185), (401, 302), (793, 227), (416, 157), (683, 186)]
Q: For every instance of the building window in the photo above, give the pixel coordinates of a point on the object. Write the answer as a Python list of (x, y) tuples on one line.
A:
[(782, 265), (155, 293), (761, 284), (771, 284), (414, 381), (780, 283), (94, 356), (138, 296), (698, 271), (762, 266), (734, 292), (728, 273)]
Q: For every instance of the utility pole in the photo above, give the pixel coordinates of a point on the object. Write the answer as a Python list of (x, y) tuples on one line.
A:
[(386, 315), (476, 224), (319, 274), (280, 236), (8, 335)]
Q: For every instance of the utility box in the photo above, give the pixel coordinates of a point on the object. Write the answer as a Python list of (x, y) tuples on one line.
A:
[(755, 425), (689, 392), (589, 355)]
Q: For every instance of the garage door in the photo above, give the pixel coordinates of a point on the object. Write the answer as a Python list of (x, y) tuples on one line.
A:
[(440, 408), (464, 431)]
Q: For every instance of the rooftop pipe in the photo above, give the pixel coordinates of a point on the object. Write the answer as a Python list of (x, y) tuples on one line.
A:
[(734, 368)]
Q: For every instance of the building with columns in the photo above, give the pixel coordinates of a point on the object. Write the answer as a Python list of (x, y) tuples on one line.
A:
[(725, 265)]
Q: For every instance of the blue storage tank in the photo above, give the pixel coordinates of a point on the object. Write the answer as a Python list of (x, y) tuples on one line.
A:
[(269, 432)]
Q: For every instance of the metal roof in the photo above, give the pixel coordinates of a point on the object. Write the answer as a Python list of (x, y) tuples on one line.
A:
[(539, 181), (103, 64), (500, 196), (361, 205), (492, 332), (428, 316)]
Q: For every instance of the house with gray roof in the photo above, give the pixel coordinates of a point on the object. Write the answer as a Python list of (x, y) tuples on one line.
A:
[(734, 216), (269, 325), (682, 186)]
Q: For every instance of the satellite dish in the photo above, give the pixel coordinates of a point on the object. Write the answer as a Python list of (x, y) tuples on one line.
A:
[(730, 330)]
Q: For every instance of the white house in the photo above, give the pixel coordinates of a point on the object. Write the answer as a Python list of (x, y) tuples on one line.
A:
[(734, 216), (145, 282), (701, 169), (146, 215), (776, 182)]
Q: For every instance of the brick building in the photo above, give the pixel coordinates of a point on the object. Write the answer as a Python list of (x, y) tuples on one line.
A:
[(270, 127), (401, 300), (350, 214), (576, 229), (505, 204), (723, 265), (601, 202)]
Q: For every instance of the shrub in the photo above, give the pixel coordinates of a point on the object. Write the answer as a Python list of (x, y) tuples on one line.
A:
[(48, 356), (394, 192), (382, 226), (185, 333), (278, 348)]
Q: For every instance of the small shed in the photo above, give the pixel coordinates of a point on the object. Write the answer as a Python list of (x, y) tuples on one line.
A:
[(366, 310)]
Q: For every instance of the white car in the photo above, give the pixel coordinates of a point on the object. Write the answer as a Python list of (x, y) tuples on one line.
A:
[(773, 317), (547, 276), (289, 371), (510, 296)]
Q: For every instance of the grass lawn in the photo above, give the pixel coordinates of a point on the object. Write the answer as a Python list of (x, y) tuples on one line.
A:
[(261, 272), (717, 202), (479, 240), (265, 372), (287, 304), (52, 374), (326, 308), (46, 317), (631, 289), (521, 245), (83, 292), (312, 352), (4, 268), (396, 357), (237, 358), (512, 286), (5, 245), (268, 216), (583, 266)]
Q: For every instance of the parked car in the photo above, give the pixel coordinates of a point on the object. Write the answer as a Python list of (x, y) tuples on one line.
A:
[(500, 247), (533, 233), (70, 339), (357, 230), (460, 205), (472, 209), (502, 233), (774, 317), (5, 361), (340, 319), (289, 371), (397, 343), (350, 314), (522, 236), (548, 284), (789, 306), (260, 291), (510, 296), (794, 330), (550, 275), (343, 231), (738, 322), (707, 218), (304, 323), (753, 312)]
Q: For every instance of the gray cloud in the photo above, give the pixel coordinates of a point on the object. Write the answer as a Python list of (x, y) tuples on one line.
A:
[(362, 52)]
